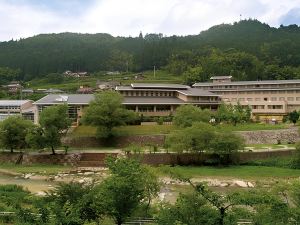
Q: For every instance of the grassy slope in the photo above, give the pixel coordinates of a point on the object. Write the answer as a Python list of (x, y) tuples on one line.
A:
[(250, 172), (88, 131)]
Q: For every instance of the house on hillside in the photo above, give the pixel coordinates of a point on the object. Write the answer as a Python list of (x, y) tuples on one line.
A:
[(107, 85), (69, 73), (85, 90)]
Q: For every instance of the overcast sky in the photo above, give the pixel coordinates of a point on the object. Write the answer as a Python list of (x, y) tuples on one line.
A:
[(24, 18)]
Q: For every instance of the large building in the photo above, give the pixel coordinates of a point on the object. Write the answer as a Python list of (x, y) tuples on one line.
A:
[(268, 99), (146, 99), (75, 102), (163, 99), (24, 108)]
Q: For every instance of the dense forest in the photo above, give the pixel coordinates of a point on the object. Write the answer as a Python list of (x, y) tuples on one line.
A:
[(248, 50)]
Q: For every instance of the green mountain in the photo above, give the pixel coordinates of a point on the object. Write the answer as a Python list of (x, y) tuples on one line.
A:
[(235, 49)]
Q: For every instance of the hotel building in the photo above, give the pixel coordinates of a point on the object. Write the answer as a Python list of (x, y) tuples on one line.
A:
[(146, 99), (268, 99)]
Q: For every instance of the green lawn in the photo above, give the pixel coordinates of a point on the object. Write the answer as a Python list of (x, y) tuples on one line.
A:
[(252, 172), (89, 131), (35, 168)]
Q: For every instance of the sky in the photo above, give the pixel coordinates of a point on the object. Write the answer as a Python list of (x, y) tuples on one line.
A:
[(25, 18)]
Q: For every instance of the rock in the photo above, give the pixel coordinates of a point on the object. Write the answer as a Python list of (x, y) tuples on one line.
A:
[(240, 183), (41, 193), (224, 185), (250, 185), (161, 196), (28, 175), (88, 173)]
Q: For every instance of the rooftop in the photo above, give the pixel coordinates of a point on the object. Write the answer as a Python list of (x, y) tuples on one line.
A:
[(158, 86), (220, 77), (202, 84), (73, 99), (13, 102)]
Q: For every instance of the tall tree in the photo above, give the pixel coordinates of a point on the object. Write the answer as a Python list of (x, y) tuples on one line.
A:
[(54, 122), (107, 112), (13, 131)]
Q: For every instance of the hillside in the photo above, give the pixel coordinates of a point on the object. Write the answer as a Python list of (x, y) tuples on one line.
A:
[(248, 50)]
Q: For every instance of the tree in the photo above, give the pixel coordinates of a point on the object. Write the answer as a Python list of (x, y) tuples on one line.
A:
[(186, 115), (13, 131), (73, 203), (226, 144), (54, 122), (107, 112), (128, 186), (293, 116), (196, 138)]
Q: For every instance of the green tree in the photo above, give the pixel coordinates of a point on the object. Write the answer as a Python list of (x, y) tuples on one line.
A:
[(186, 115), (129, 185), (191, 209), (293, 116), (196, 138), (107, 112), (13, 131), (54, 122), (226, 144)]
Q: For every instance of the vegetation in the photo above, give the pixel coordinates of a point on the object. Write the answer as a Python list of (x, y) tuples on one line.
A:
[(202, 137), (13, 131), (54, 123), (107, 112), (186, 115), (293, 116), (270, 53), (233, 114)]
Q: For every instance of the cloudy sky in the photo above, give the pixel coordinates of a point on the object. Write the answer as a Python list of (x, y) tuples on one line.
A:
[(24, 18)]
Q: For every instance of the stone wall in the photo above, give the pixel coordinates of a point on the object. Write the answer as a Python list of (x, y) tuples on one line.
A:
[(282, 136), (9, 157), (58, 159)]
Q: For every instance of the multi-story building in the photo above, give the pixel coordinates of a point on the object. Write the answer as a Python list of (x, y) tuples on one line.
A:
[(163, 99), (146, 99), (76, 103), (24, 108), (268, 99)]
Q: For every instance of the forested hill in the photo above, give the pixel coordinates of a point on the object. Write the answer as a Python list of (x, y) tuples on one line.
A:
[(248, 50)]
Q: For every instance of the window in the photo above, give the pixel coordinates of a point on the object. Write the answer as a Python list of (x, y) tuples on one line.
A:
[(275, 106), (241, 99), (281, 99), (273, 98), (265, 99), (297, 98), (290, 98), (257, 99), (249, 99)]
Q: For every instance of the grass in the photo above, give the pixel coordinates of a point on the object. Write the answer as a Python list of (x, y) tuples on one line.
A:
[(250, 172), (45, 169), (89, 131)]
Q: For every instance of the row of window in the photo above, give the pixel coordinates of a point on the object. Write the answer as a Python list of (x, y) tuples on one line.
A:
[(269, 107), (9, 107), (148, 93), (262, 99), (258, 92)]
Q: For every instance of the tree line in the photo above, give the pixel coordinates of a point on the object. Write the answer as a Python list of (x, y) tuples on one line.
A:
[(248, 50)]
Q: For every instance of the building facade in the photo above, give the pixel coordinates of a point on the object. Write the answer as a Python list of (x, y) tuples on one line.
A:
[(145, 99), (163, 99), (24, 108), (269, 99)]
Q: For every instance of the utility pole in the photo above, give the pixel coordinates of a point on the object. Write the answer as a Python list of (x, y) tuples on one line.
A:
[(154, 71)]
